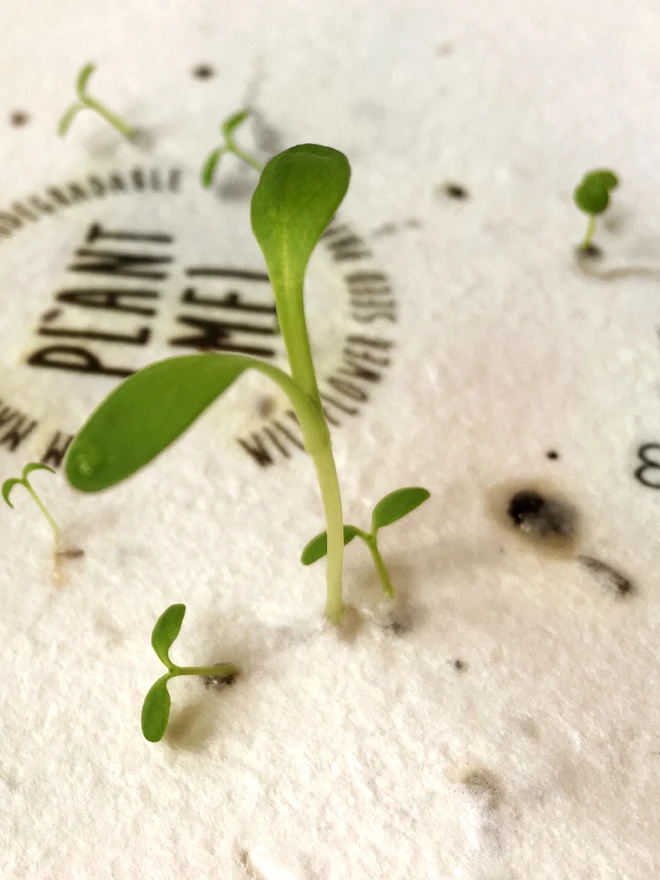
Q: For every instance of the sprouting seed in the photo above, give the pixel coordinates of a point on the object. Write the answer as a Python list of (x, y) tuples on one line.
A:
[(389, 509), (86, 102), (592, 195), (228, 128), (8, 485), (156, 706)]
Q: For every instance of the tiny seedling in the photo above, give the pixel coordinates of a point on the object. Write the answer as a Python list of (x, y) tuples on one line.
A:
[(8, 485), (298, 194), (592, 196), (86, 102), (228, 128), (156, 706), (389, 509)]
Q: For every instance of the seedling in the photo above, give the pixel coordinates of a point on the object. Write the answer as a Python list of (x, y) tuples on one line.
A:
[(228, 128), (592, 196), (8, 485), (389, 509), (157, 703), (86, 102), (297, 196)]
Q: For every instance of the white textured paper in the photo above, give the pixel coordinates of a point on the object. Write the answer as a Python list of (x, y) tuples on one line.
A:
[(372, 758)]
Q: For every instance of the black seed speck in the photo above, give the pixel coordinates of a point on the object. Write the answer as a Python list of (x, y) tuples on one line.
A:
[(592, 252), (552, 454), (19, 118), (540, 516), (71, 553), (606, 575), (219, 680), (203, 71), (456, 191), (460, 665)]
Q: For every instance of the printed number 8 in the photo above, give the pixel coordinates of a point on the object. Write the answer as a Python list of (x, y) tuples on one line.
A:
[(649, 464)]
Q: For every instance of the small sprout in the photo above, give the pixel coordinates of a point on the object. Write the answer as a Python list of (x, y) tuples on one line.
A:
[(8, 485), (592, 196), (228, 128), (92, 104), (389, 509), (157, 703)]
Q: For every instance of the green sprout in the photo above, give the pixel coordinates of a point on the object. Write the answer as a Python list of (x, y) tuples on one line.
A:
[(298, 194), (156, 706), (592, 195), (85, 102), (389, 509), (228, 128), (8, 485)]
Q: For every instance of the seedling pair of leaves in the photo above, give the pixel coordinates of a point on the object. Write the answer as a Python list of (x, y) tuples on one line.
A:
[(592, 196), (227, 129), (8, 485), (157, 703), (86, 102), (389, 509)]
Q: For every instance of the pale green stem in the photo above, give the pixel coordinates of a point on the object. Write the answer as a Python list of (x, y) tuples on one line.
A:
[(371, 540), (383, 574), (326, 472), (591, 228), (50, 519), (221, 669), (244, 156), (110, 117)]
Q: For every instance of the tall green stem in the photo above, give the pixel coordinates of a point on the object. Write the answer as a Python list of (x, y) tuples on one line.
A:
[(296, 338), (326, 472)]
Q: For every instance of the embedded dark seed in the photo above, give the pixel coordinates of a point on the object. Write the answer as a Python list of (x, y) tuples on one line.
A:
[(203, 71), (525, 504), (219, 680), (72, 553), (592, 252), (19, 118), (541, 516), (456, 191), (606, 575), (552, 454), (460, 665)]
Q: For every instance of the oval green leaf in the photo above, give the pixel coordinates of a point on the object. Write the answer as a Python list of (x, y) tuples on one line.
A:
[(67, 118), (166, 630), (150, 409), (298, 194), (83, 79), (317, 548), (156, 711), (7, 486), (232, 122), (396, 505), (592, 195), (209, 166)]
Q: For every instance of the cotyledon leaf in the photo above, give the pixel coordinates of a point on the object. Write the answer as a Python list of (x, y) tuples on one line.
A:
[(156, 710), (167, 628), (317, 548), (396, 505), (148, 411), (297, 195)]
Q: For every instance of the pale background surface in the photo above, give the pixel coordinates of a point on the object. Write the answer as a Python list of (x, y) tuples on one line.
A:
[(334, 760)]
